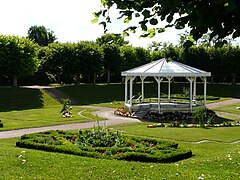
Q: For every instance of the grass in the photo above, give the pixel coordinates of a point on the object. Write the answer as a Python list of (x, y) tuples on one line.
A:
[(210, 161), (113, 95), (34, 114), (229, 108), (183, 134), (20, 99), (213, 160)]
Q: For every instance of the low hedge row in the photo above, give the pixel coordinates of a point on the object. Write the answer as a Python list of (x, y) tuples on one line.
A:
[(134, 149)]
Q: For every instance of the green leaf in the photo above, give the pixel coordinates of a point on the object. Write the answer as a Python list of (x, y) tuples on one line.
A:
[(187, 44), (231, 5), (125, 34), (137, 15), (169, 18), (144, 27), (133, 30), (144, 35), (146, 13), (151, 33), (160, 30), (104, 24), (128, 19), (219, 44), (190, 38), (179, 27), (94, 20), (104, 2), (97, 14), (153, 21)]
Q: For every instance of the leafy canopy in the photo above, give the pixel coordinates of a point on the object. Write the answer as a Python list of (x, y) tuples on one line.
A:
[(41, 35), (220, 17)]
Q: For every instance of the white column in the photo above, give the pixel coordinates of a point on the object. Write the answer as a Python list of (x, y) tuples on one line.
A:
[(205, 91), (190, 79), (142, 79), (194, 88), (159, 80), (169, 86), (131, 90), (126, 89)]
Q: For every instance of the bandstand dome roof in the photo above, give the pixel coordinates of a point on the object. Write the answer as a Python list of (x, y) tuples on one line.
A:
[(162, 68)]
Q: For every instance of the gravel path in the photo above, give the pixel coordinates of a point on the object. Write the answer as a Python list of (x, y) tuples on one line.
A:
[(102, 112)]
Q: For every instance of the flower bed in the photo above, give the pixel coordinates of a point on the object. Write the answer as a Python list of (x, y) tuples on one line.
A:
[(177, 124), (177, 116), (122, 112), (103, 143)]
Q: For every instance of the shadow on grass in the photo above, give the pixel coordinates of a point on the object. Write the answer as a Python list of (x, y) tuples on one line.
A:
[(94, 94), (102, 93), (20, 99)]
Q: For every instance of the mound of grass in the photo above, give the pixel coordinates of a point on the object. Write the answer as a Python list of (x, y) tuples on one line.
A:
[(103, 143), (20, 99), (26, 108)]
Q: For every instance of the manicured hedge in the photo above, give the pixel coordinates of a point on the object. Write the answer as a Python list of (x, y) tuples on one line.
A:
[(130, 148)]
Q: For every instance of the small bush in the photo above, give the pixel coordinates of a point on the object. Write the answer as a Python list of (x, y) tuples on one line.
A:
[(1, 124), (199, 116)]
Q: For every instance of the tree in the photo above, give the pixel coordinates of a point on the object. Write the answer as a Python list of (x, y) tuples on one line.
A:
[(111, 38), (110, 44), (220, 17), (41, 35), (90, 59), (154, 46), (111, 59), (18, 57)]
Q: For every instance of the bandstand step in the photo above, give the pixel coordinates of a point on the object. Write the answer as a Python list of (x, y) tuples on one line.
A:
[(139, 114)]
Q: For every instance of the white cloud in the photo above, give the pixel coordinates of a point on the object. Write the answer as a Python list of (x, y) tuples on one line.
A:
[(69, 19)]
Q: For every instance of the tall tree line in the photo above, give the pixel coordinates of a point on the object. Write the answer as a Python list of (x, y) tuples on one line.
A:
[(103, 60)]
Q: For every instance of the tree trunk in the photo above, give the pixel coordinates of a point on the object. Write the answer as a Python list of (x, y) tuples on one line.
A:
[(108, 75), (94, 78), (212, 79), (234, 78), (15, 84)]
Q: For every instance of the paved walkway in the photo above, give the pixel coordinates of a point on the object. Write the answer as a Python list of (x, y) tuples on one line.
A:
[(222, 103), (107, 113), (102, 112)]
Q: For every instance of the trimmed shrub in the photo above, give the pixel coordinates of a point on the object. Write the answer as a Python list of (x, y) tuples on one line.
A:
[(103, 143)]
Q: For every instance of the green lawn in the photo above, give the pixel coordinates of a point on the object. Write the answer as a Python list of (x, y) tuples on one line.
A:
[(183, 134), (113, 95), (25, 107), (211, 160), (34, 108), (230, 108)]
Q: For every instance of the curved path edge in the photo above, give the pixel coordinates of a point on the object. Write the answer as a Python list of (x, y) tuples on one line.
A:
[(111, 119), (104, 112)]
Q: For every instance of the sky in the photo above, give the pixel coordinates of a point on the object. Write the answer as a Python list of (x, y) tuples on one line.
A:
[(70, 20)]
